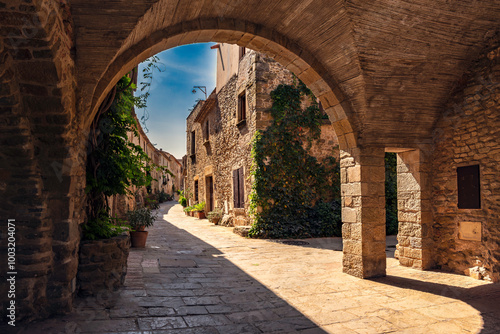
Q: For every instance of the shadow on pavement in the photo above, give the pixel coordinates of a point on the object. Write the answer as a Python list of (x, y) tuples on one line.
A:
[(180, 284), (484, 298)]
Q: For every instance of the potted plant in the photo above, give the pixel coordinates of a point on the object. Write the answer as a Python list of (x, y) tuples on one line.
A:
[(182, 199), (187, 210), (215, 216), (139, 219), (200, 210)]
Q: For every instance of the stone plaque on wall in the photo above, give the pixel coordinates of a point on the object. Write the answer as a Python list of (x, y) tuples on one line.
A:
[(469, 231)]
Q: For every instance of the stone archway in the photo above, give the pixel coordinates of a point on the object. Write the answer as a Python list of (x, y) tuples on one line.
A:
[(244, 34), (364, 231)]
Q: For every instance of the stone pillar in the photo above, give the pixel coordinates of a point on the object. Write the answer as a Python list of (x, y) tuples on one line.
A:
[(363, 211), (414, 211)]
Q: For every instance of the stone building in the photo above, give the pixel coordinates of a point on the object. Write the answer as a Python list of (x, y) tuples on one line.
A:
[(162, 181), (220, 130)]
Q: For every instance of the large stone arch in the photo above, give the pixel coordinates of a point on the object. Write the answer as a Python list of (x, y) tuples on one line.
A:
[(299, 61)]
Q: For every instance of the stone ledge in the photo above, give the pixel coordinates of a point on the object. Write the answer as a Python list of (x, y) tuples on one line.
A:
[(242, 230)]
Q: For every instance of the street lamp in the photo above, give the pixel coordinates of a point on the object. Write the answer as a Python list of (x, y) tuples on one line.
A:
[(203, 89)]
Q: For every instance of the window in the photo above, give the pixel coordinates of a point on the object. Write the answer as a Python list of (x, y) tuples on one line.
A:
[(242, 52), (242, 107), (207, 130), (193, 143), (469, 195), (238, 188), (196, 191)]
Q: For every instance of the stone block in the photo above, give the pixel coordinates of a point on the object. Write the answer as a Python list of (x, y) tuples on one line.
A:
[(349, 215), (404, 261), (352, 247), (354, 174)]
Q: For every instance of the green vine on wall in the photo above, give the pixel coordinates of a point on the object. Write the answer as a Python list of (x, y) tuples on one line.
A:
[(114, 164), (293, 194)]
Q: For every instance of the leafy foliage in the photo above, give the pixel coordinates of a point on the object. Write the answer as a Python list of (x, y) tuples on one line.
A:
[(114, 164), (141, 217), (152, 64), (293, 194), (391, 194), (164, 197), (199, 206), (102, 226), (216, 214), (182, 199), (190, 208)]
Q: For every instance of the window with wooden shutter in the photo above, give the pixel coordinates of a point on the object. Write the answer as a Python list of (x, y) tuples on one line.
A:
[(242, 108), (196, 191), (193, 142), (469, 194), (242, 52), (238, 188)]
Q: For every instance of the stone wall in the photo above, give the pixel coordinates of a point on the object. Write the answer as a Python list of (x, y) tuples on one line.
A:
[(469, 134), (229, 146), (102, 265), (42, 154)]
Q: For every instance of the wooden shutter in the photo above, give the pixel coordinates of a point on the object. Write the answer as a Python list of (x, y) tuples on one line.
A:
[(235, 188), (241, 185)]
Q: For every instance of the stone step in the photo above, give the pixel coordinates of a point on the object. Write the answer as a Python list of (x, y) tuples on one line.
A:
[(242, 230)]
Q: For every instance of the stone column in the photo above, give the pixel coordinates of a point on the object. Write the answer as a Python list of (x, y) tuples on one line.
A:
[(363, 211), (414, 211)]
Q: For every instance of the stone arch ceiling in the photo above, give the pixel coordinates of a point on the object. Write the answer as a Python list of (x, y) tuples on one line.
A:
[(396, 62)]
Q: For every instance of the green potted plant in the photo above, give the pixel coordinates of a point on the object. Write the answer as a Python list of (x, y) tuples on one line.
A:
[(215, 216), (187, 210), (200, 210), (182, 199), (138, 220)]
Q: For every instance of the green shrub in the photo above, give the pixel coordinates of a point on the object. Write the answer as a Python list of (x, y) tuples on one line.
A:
[(183, 201), (141, 217), (189, 208), (199, 206), (217, 214)]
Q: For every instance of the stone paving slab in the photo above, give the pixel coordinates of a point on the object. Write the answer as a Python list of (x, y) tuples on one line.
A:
[(197, 278)]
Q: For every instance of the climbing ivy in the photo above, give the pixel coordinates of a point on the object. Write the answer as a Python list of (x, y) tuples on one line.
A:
[(293, 194), (114, 164)]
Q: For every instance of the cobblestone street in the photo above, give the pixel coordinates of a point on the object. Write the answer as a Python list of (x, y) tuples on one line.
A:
[(197, 278)]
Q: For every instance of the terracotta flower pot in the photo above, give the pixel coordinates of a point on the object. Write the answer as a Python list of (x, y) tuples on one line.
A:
[(200, 214), (138, 238), (215, 221)]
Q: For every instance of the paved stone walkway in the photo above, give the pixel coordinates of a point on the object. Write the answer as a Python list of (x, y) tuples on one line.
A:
[(197, 278)]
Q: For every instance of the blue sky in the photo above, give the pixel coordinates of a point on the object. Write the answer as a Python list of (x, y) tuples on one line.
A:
[(171, 93)]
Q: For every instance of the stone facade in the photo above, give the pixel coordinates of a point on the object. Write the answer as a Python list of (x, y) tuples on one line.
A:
[(229, 143), (469, 134), (102, 265), (120, 204)]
